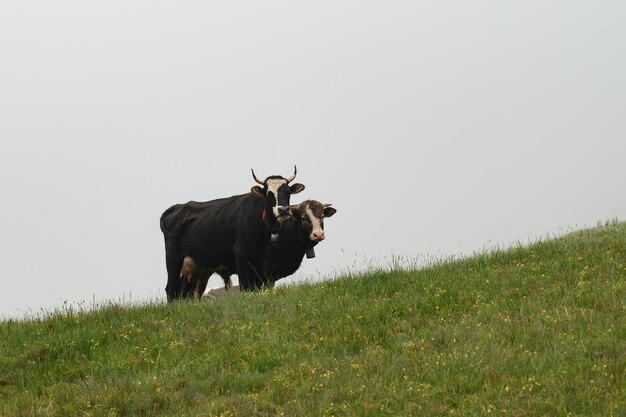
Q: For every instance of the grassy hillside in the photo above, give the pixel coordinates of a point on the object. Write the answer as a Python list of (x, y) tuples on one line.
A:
[(530, 331)]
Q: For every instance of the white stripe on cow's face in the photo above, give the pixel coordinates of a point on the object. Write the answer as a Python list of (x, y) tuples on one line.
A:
[(272, 187), (317, 232)]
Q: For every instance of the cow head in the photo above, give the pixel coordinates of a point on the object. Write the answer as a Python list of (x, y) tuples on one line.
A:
[(311, 214), (276, 190)]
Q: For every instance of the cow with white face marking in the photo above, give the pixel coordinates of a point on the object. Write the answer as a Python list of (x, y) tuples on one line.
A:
[(233, 232), (297, 236)]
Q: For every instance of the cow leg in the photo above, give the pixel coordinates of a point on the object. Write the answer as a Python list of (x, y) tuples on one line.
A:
[(244, 279), (249, 278), (228, 283), (175, 287), (188, 286), (194, 288), (202, 279), (225, 273), (190, 275)]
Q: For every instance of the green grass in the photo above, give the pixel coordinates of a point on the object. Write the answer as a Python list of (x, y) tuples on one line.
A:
[(530, 331)]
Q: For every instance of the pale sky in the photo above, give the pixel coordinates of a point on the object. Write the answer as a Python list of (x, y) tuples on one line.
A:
[(434, 128)]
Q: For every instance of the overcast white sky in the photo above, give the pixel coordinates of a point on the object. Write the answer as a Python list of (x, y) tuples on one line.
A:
[(434, 128)]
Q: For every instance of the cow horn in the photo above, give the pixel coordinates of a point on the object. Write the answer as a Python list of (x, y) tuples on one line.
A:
[(256, 179), (293, 177)]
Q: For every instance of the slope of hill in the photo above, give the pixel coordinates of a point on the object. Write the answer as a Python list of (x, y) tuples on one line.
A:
[(529, 331)]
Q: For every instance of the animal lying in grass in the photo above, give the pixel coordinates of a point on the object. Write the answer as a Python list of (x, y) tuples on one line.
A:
[(296, 236)]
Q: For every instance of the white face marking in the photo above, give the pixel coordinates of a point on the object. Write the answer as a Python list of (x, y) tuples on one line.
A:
[(272, 186), (315, 222)]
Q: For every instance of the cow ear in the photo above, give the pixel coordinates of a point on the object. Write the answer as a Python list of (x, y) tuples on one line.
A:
[(295, 210), (257, 190), (329, 211), (296, 188)]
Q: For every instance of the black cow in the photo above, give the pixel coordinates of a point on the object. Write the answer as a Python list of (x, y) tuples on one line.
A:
[(296, 237), (232, 232)]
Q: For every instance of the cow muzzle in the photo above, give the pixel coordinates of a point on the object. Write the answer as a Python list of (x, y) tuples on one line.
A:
[(317, 236), (283, 213)]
